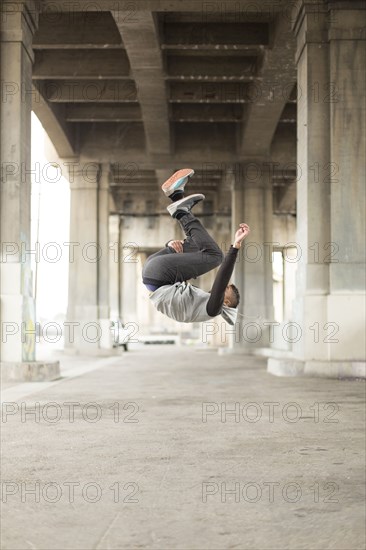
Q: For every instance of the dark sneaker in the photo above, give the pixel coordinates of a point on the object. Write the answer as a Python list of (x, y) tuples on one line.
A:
[(185, 204), (177, 181)]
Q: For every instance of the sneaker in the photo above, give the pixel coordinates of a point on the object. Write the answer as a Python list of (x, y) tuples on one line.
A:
[(177, 181), (185, 204)]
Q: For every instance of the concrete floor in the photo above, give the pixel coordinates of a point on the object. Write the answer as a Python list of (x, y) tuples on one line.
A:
[(300, 484)]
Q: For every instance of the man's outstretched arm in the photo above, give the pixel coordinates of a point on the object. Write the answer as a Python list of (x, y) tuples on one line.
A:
[(216, 301)]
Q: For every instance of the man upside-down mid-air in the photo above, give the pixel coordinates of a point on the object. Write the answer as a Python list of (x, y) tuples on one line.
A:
[(167, 272)]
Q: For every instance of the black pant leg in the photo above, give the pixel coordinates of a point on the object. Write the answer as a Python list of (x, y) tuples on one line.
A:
[(199, 235)]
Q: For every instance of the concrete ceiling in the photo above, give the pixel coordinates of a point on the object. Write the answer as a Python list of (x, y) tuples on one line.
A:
[(163, 84)]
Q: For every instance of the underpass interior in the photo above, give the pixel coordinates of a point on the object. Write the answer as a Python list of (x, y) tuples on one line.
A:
[(182, 435), (199, 90)]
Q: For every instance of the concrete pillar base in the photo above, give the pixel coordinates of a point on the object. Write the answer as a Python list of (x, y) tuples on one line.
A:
[(32, 371), (286, 366)]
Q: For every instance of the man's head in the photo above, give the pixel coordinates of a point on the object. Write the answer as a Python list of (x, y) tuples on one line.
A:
[(232, 296)]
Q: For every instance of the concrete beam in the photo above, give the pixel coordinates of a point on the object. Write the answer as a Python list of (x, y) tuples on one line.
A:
[(89, 91), (212, 138), (114, 64), (278, 74), (221, 13), (182, 112), (206, 32), (85, 64), (123, 181), (100, 112), (205, 77), (129, 112), (124, 143), (52, 117), (76, 30), (131, 10), (131, 171), (135, 186), (204, 66), (125, 91), (209, 92), (214, 49), (142, 45)]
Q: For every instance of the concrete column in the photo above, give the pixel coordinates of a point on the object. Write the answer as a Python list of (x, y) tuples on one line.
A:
[(18, 24), (346, 303), (88, 305), (329, 309), (313, 158), (252, 204)]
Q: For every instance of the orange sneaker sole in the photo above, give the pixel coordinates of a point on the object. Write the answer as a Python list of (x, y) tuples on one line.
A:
[(180, 174)]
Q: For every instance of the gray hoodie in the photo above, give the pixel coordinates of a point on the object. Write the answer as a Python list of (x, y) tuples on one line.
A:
[(186, 303)]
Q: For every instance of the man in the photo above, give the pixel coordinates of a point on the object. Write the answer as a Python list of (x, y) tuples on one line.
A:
[(166, 273)]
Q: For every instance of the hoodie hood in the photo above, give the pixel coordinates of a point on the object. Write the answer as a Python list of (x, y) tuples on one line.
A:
[(229, 314)]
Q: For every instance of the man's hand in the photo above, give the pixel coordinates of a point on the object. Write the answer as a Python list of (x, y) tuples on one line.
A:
[(176, 245), (240, 235)]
